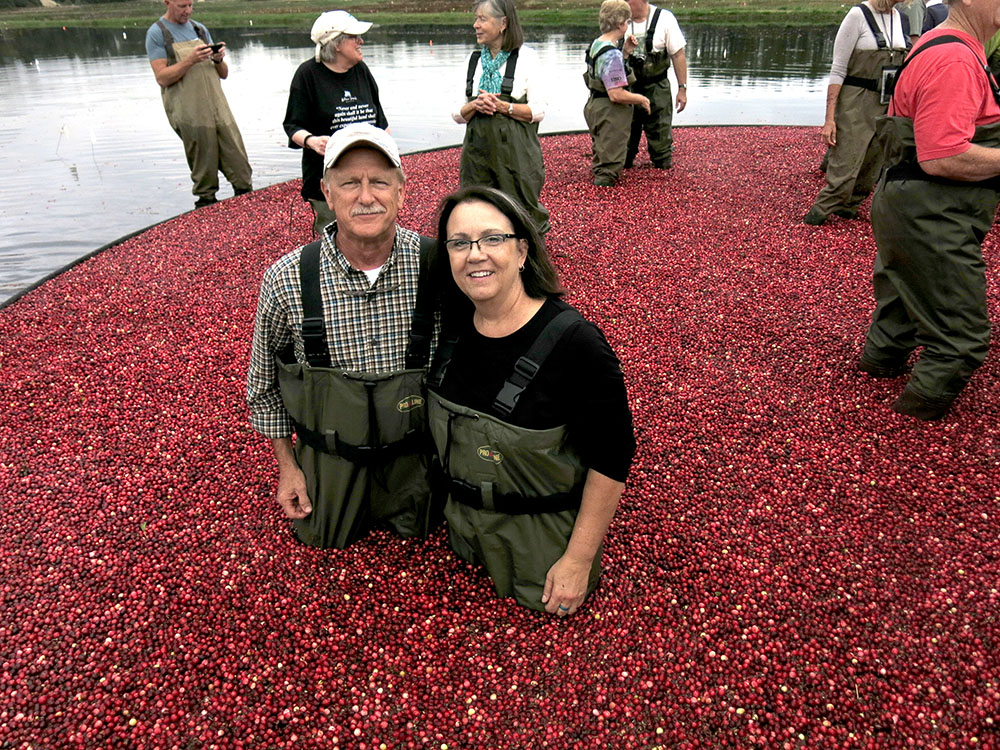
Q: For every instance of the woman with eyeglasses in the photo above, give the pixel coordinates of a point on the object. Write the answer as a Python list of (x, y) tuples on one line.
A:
[(333, 89), (527, 406), (501, 109)]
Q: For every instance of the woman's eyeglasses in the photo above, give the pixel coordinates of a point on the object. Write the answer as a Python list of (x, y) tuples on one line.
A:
[(489, 242)]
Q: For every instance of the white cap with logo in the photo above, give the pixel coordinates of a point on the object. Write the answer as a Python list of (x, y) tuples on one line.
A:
[(360, 134), (332, 24)]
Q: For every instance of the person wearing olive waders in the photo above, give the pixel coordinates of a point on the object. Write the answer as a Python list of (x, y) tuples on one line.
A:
[(658, 41), (188, 68), (340, 347), (608, 110), (870, 43), (933, 205)]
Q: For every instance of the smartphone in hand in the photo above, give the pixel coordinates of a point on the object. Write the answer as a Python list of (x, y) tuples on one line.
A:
[(216, 48)]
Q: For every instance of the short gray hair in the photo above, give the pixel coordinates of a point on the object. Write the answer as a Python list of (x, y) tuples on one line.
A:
[(328, 52), (613, 14)]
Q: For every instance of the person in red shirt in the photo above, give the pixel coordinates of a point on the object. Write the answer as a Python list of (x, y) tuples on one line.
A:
[(933, 206)]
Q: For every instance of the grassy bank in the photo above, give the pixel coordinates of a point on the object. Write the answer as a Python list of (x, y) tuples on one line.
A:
[(300, 13)]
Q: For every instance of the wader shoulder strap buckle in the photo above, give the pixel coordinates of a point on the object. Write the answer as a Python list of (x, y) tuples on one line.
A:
[(313, 323), (418, 348), (531, 362), (442, 358), (876, 31)]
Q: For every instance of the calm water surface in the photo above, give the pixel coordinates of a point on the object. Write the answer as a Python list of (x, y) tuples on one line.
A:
[(87, 156)]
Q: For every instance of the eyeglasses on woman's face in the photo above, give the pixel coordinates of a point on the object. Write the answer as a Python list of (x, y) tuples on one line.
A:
[(489, 242)]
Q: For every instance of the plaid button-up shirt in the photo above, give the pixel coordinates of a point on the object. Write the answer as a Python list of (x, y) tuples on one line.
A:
[(367, 325)]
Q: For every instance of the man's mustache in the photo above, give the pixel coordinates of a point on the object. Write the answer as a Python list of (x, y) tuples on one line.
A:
[(368, 210)]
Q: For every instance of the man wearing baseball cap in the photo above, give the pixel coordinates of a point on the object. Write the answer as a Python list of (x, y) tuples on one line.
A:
[(340, 348), (333, 89)]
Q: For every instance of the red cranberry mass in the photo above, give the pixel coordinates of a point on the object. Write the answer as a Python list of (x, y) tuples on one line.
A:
[(793, 565)]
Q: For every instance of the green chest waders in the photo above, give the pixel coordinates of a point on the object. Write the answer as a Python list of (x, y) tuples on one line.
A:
[(930, 277), (362, 437), (513, 493), (651, 81), (609, 123), (854, 163), (198, 112), (504, 153)]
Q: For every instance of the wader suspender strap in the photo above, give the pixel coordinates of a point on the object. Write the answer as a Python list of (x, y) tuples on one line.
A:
[(948, 39), (168, 38), (876, 31), (418, 349), (313, 325), (591, 62), (528, 365), (649, 32), (508, 77)]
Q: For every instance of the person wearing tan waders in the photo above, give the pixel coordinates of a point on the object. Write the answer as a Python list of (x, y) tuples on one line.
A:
[(870, 44), (340, 347), (657, 41), (528, 409), (608, 110), (502, 105), (932, 208), (188, 66)]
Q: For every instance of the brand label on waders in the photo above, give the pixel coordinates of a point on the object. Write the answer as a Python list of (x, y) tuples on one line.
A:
[(410, 403), (488, 454)]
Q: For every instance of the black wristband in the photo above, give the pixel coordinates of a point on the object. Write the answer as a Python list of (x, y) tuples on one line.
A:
[(305, 141)]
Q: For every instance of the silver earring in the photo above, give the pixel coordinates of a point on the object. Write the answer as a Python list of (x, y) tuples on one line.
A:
[(521, 269)]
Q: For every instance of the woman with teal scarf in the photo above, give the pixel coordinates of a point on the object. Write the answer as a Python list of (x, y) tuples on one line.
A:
[(502, 107)]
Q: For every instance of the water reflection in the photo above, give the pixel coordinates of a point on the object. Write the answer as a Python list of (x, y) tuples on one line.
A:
[(88, 155)]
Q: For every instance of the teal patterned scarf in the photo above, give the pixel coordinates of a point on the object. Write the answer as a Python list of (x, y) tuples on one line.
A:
[(491, 79)]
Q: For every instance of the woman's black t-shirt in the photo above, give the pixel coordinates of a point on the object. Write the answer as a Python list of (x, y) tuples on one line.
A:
[(322, 102), (580, 385)]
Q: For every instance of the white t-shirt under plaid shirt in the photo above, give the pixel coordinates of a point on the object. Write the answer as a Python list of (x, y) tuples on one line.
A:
[(367, 325)]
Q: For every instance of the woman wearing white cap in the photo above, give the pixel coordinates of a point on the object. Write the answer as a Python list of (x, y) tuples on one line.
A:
[(332, 90)]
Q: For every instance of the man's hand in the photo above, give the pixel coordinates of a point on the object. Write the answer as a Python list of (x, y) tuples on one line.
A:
[(201, 53), (219, 56), (566, 585), (292, 494), (682, 99)]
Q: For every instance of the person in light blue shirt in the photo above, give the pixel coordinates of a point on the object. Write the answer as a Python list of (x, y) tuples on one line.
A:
[(189, 66)]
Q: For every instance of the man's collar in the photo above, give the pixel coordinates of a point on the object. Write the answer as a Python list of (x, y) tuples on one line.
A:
[(329, 245)]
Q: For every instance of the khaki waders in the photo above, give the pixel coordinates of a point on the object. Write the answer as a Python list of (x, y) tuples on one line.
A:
[(362, 438), (198, 112), (929, 277), (854, 163), (652, 82), (362, 445), (609, 124), (494, 468), (505, 153)]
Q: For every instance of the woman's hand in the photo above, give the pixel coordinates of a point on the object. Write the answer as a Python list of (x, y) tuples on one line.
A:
[(566, 585), (486, 103), (630, 44), (829, 133), (318, 143), (644, 103)]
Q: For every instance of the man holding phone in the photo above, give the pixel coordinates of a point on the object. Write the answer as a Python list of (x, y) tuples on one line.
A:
[(188, 65)]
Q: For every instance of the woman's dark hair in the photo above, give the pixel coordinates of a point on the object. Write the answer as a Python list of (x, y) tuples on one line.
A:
[(539, 277), (513, 36)]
